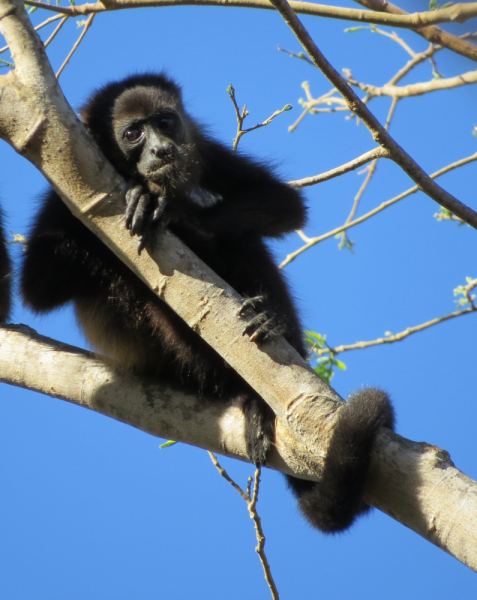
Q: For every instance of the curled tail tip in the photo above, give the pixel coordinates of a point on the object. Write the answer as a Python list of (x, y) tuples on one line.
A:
[(334, 504), (374, 405)]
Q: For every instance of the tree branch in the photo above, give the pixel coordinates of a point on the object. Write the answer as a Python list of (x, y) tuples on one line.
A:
[(416, 89), (379, 133), (431, 33), (423, 23), (460, 12), (321, 238), (251, 501), (415, 483), (352, 165)]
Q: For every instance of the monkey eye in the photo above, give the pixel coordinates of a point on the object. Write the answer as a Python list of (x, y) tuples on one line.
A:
[(133, 134), (167, 122)]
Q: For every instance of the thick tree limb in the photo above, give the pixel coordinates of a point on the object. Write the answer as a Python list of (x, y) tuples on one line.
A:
[(414, 483), (37, 121)]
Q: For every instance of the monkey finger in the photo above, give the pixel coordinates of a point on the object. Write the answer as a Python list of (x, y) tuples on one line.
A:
[(139, 220), (147, 237), (263, 327), (256, 302), (132, 198), (159, 211)]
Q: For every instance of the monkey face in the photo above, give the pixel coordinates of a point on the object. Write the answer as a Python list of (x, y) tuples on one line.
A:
[(153, 137)]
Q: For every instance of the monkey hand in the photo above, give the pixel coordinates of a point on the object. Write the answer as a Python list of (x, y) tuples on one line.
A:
[(143, 212), (264, 325)]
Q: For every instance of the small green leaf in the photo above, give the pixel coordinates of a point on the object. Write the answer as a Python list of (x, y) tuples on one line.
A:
[(167, 444)]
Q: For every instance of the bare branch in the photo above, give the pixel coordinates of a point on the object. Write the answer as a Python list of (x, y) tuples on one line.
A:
[(301, 55), (431, 33), (416, 89), (56, 31), (395, 17), (371, 169), (457, 13), (396, 337), (374, 154), (87, 25), (40, 26), (379, 133), (316, 240), (223, 473), (252, 511), (242, 115)]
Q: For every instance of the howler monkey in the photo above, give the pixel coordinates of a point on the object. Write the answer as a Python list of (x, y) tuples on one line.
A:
[(221, 205)]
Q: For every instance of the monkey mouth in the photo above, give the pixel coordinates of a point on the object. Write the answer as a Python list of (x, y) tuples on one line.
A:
[(160, 170)]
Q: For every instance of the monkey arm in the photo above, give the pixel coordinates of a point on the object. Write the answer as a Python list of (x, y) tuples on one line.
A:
[(61, 258), (256, 200)]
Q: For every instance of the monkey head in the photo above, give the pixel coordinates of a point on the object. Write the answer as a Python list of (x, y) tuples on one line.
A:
[(151, 131), (142, 128)]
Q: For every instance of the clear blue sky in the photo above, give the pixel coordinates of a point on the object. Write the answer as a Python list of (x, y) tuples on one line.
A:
[(91, 508)]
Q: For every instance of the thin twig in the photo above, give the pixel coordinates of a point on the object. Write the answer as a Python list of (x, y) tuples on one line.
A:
[(38, 27), (311, 103), (316, 240), (56, 31), (78, 42), (226, 476), (394, 36), (346, 168), (251, 501), (418, 59), (293, 55), (371, 171), (242, 115), (397, 337), (468, 298)]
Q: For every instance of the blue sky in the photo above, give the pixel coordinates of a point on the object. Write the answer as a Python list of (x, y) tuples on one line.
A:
[(91, 508)]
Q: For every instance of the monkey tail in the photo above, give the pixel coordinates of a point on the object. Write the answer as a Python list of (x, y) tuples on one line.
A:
[(333, 504)]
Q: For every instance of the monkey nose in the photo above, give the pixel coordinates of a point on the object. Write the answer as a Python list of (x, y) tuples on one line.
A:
[(157, 151)]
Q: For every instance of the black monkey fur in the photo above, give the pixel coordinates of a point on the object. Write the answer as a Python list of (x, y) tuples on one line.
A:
[(221, 205), (5, 276)]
